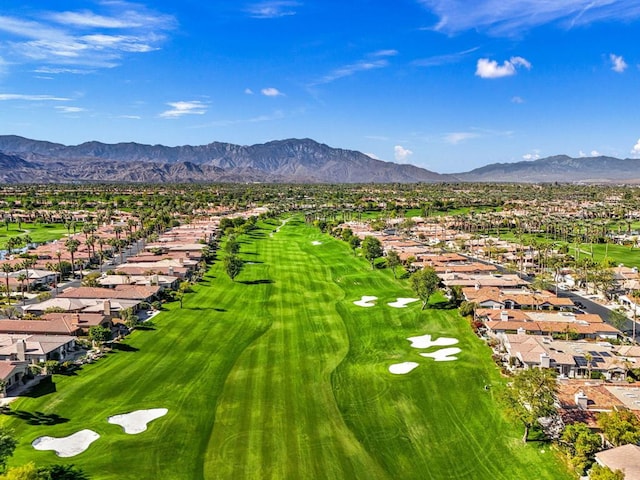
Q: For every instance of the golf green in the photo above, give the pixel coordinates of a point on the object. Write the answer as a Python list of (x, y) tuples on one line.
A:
[(278, 375)]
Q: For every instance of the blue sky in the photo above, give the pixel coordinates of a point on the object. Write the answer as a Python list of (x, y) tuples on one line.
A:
[(447, 85)]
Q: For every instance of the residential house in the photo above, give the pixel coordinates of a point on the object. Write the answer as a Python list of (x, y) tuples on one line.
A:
[(570, 359), (625, 458), (35, 348), (11, 374)]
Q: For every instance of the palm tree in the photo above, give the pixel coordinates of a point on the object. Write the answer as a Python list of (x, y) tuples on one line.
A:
[(53, 268), (26, 264), (72, 247), (21, 278), (7, 268), (589, 358)]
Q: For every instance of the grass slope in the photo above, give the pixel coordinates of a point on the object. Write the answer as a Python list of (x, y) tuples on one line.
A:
[(278, 375)]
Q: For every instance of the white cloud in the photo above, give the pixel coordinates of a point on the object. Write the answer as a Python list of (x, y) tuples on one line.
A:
[(517, 99), (385, 53), (273, 9), (130, 117), (248, 91), (531, 156), (51, 70), (456, 137), (515, 17), (89, 19), (617, 63), (438, 60), (490, 69), (65, 109), (62, 40), (271, 92), (373, 61), (32, 98), (636, 148), (179, 109), (401, 154), (373, 155), (592, 153)]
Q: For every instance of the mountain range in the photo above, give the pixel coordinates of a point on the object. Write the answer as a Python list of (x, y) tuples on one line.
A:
[(23, 160)]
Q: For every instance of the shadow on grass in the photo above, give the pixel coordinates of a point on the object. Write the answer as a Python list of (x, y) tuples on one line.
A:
[(45, 387), (444, 305), (145, 328), (35, 418), (124, 347), (256, 282)]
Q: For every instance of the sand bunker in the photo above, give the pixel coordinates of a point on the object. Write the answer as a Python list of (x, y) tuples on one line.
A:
[(316, 242), (402, 368), (425, 341), (443, 355), (402, 302), (365, 301), (67, 446), (136, 422)]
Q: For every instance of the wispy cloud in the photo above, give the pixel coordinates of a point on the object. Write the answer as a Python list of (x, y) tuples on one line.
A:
[(68, 109), (271, 92), (373, 61), (276, 115), (273, 9), (617, 63), (385, 53), (515, 17), (32, 98), (130, 117), (179, 109), (54, 70), (62, 41), (401, 154), (377, 137), (248, 91), (457, 137), (517, 99), (446, 59), (490, 69)]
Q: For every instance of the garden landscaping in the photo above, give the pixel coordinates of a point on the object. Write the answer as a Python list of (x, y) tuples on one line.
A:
[(278, 374)]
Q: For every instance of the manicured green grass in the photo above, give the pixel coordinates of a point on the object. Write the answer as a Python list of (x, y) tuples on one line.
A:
[(38, 232), (279, 375)]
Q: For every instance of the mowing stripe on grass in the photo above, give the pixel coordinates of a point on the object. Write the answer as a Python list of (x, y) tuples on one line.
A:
[(279, 375)]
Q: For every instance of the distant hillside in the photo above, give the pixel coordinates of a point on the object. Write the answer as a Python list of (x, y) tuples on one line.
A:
[(278, 161), (560, 168)]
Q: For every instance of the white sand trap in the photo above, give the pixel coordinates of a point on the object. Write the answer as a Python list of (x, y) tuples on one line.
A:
[(444, 354), (402, 368), (136, 422), (402, 302), (365, 301), (425, 341), (67, 446), (316, 242)]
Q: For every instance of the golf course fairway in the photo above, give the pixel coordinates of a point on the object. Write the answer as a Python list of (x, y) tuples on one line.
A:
[(279, 375)]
